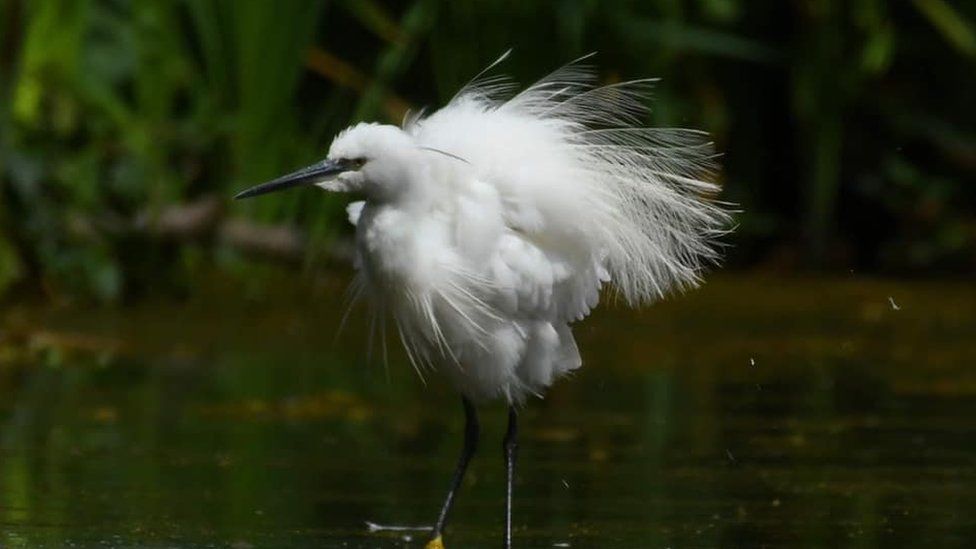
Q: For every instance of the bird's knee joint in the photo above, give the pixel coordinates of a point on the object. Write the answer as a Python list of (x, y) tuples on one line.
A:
[(509, 446)]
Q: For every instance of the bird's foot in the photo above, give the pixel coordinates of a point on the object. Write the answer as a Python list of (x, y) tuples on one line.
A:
[(374, 527), (436, 543)]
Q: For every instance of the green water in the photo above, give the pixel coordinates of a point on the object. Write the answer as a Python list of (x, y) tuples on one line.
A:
[(757, 412)]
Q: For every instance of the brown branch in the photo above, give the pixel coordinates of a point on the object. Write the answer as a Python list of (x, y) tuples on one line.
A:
[(338, 71), (277, 242)]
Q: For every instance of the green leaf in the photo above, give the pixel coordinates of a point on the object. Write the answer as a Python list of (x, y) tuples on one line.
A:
[(950, 23)]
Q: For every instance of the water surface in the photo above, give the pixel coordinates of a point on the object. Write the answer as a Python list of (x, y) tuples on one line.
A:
[(756, 412)]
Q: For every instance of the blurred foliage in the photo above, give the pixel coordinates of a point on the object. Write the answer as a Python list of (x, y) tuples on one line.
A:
[(848, 127)]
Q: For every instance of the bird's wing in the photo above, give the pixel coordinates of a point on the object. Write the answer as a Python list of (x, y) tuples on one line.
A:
[(580, 182), (516, 261), (542, 284), (520, 293)]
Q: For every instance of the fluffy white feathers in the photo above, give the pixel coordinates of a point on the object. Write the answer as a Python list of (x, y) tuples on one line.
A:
[(511, 212)]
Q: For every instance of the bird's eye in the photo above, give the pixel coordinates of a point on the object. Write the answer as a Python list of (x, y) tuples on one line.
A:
[(357, 163)]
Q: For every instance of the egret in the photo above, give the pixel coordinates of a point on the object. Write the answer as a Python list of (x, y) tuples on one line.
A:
[(491, 225)]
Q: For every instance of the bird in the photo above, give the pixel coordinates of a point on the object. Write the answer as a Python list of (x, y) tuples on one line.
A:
[(493, 224)]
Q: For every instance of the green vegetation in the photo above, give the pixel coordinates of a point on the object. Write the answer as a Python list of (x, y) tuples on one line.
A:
[(848, 127)]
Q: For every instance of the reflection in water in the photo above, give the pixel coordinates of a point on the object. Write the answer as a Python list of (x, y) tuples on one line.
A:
[(749, 414)]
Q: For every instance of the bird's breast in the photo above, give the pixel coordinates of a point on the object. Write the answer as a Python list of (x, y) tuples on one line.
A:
[(399, 251)]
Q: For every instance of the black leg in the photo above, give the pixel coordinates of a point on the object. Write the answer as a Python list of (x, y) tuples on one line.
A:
[(471, 432), (510, 448)]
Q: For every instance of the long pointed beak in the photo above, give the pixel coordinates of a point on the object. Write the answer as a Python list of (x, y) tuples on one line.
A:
[(316, 173)]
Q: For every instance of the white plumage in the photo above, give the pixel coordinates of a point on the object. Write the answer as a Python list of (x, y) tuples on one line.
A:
[(491, 225)]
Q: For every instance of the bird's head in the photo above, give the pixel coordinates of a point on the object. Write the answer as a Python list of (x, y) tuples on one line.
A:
[(373, 159)]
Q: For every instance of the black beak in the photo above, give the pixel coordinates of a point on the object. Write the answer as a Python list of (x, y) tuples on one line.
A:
[(316, 173)]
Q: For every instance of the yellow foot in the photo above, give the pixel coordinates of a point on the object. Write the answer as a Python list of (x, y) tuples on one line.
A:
[(436, 543)]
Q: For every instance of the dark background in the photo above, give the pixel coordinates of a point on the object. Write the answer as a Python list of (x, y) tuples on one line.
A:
[(848, 128), (170, 373)]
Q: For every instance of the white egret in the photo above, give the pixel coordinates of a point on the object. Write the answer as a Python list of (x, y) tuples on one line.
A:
[(491, 225)]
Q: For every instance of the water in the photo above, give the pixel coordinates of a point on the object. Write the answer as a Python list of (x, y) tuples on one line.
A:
[(752, 413)]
